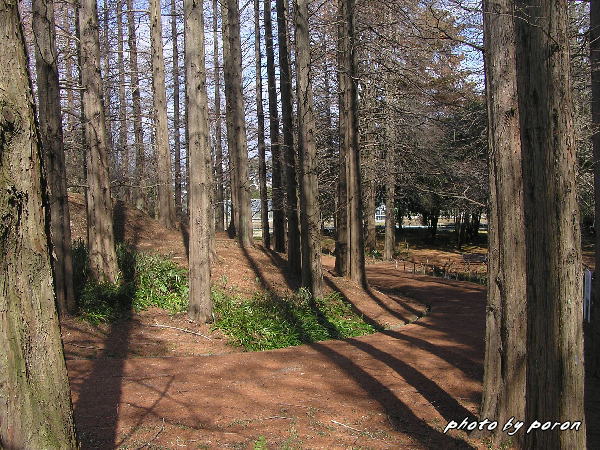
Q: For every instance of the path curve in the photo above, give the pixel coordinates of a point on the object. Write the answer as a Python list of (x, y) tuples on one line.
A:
[(394, 389)]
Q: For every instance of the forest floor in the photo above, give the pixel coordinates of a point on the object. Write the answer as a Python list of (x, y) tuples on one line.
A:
[(138, 384)]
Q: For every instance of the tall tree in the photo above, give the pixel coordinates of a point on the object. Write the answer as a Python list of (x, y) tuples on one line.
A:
[(200, 308), (505, 356), (176, 109), (288, 150), (51, 135), (593, 361), (100, 234), (310, 215), (356, 244), (166, 206), (35, 402), (219, 182), (136, 103), (276, 183), (390, 189), (123, 149), (342, 262), (555, 369), (235, 122), (260, 115)]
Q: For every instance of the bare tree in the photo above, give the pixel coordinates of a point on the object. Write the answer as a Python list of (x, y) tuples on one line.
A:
[(200, 308), (219, 182), (166, 206), (136, 100), (101, 239), (123, 149), (51, 135), (35, 402), (262, 164), (555, 369), (390, 189), (236, 125), (176, 109), (289, 158), (310, 215), (349, 128), (505, 357), (277, 184)]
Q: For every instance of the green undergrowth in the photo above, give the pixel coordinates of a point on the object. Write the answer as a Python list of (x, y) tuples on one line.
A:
[(267, 322), (147, 280), (263, 322)]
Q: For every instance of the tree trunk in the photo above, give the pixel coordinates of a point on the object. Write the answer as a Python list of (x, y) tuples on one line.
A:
[(233, 183), (235, 107), (593, 362), (341, 241), (101, 239), (505, 356), (105, 60), (123, 148), (51, 135), (262, 164), (277, 185), (220, 192), (289, 155), (390, 187), (356, 245), (138, 131), (310, 216), (200, 308), (166, 207), (371, 231), (176, 113), (555, 369), (35, 401)]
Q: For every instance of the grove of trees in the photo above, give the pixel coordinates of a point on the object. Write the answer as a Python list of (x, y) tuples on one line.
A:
[(437, 109)]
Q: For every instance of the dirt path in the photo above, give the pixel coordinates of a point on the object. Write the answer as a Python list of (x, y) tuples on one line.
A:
[(395, 389)]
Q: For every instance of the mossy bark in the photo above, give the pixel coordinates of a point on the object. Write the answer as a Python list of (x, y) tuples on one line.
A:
[(35, 402)]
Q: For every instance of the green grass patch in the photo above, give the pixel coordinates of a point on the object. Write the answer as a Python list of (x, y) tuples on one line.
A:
[(147, 280), (262, 322), (267, 322)]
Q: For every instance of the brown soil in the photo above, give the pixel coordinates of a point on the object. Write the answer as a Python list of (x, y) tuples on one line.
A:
[(140, 386)]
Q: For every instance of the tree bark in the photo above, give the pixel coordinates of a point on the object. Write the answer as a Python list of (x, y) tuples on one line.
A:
[(390, 188), (236, 123), (233, 189), (200, 307), (138, 131), (505, 357), (123, 148), (342, 262), (260, 115), (35, 401), (101, 239), (220, 190), (166, 206), (555, 368), (593, 362), (176, 112), (277, 184), (289, 154), (310, 215), (51, 135), (356, 244)]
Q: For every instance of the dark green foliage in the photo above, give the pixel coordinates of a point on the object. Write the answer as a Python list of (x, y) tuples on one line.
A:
[(267, 322), (148, 280)]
